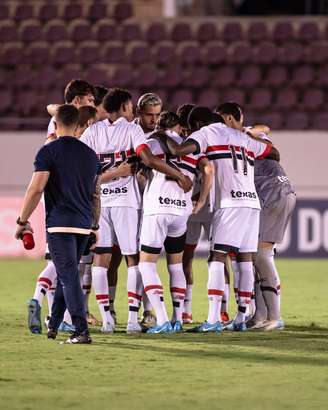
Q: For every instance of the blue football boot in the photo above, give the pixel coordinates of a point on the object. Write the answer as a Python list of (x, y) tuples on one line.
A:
[(206, 327), (236, 327), (66, 327), (164, 328), (177, 327), (34, 316)]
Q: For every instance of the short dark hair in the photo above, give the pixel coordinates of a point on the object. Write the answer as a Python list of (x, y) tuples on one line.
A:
[(114, 99), (99, 93), (183, 111), (86, 113), (201, 116), (77, 88), (230, 108), (168, 119), (67, 115)]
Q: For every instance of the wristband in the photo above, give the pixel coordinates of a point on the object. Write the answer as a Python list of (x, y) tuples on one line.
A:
[(95, 228), (20, 223)]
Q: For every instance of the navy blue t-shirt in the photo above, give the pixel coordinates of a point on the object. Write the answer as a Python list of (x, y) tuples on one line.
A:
[(73, 168)]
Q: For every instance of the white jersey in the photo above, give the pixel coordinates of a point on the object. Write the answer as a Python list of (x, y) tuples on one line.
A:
[(163, 195), (233, 153), (51, 132), (114, 143)]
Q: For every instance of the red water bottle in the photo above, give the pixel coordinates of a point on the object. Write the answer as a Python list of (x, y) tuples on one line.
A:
[(28, 241)]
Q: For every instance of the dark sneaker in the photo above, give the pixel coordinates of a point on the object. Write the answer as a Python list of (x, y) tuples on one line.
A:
[(52, 334), (79, 339), (34, 316)]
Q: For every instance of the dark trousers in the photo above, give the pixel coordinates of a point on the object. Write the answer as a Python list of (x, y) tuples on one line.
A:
[(66, 250)]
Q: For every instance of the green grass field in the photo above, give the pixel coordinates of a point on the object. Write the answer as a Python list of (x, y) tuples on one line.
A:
[(274, 370)]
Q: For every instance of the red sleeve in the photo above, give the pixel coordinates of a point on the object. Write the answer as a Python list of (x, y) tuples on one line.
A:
[(140, 148), (266, 152)]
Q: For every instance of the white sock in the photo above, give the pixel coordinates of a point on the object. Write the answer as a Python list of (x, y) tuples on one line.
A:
[(111, 294), (188, 300), (67, 317), (100, 287), (246, 286), (44, 282), (215, 288), (154, 289), (135, 288), (146, 304), (86, 285), (177, 289), (235, 269), (261, 310)]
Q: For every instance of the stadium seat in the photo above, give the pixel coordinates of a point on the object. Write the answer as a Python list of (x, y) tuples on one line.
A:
[(232, 31), (88, 52), (208, 98), (302, 76), (163, 53), (181, 32), (11, 54), (322, 76), (69, 71), (260, 99), (99, 74), (121, 76), (276, 76), (286, 99), (105, 30), (145, 76), (4, 12), (313, 99), (113, 52), (23, 12), (265, 53), (47, 76), (30, 31), (37, 53), (215, 53), (283, 31), (72, 11), (26, 101), (163, 95), (233, 94), (55, 30), (48, 12), (171, 77), (138, 52), (297, 121), (130, 32), (291, 53), (257, 31), (240, 53), (196, 77), (122, 10), (97, 11), (188, 52), (250, 76), (206, 31), (79, 30), (317, 53), (62, 52), (6, 99), (180, 97), (156, 32), (272, 119), (308, 32), (224, 76), (320, 121), (8, 32)]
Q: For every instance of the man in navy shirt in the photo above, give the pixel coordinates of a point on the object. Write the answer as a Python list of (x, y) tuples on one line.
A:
[(67, 171)]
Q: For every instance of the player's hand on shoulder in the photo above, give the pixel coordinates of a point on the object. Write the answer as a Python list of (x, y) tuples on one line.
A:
[(185, 183), (126, 169)]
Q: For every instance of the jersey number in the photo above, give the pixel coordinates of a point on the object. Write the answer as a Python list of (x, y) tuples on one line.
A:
[(235, 159)]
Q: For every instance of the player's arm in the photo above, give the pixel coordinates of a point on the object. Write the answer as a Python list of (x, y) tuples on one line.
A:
[(159, 165), (270, 152), (123, 170), (256, 130), (171, 146), (32, 198), (207, 171), (52, 109), (96, 203)]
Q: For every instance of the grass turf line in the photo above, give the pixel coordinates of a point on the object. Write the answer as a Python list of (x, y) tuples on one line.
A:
[(276, 370)]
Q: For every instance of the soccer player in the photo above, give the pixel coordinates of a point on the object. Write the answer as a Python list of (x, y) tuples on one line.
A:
[(72, 198), (235, 222), (149, 108), (166, 211), (116, 140), (99, 93)]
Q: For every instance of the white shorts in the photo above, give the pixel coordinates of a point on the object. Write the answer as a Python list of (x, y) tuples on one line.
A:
[(119, 225), (235, 230), (158, 230), (194, 229)]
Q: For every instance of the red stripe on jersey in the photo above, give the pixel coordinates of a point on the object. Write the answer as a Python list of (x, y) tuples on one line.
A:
[(215, 292), (140, 148), (160, 156), (232, 254), (244, 294), (134, 295), (201, 158), (266, 152), (190, 160), (212, 148), (151, 287), (178, 290), (101, 297), (45, 280)]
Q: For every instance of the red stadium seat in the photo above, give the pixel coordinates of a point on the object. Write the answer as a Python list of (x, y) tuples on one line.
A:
[(291, 53), (156, 32), (47, 76), (197, 77), (257, 31), (171, 77), (23, 12), (272, 119), (322, 76), (302, 76), (180, 97), (97, 11), (63, 52), (121, 76), (113, 52), (130, 32), (208, 98), (283, 31), (11, 54), (164, 53), (297, 121), (265, 53), (4, 12), (232, 31), (73, 11), (286, 99), (48, 12), (313, 99), (6, 99), (37, 53), (260, 99), (145, 76), (181, 32), (30, 31), (188, 52), (317, 53), (308, 32), (224, 76), (215, 53), (99, 74), (138, 53), (122, 10), (88, 52), (79, 30), (206, 32), (68, 72), (250, 76), (55, 31), (234, 95), (320, 121), (276, 76), (241, 53), (26, 101), (106, 30), (8, 32)]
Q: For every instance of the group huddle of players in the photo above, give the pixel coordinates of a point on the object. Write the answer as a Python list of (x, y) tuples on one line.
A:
[(206, 170)]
